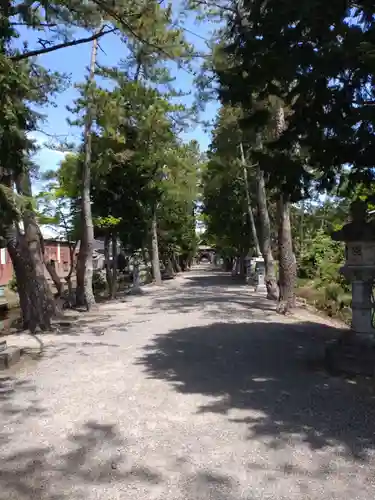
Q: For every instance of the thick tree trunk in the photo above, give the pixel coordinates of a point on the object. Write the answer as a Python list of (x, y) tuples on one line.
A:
[(27, 254), (71, 302), (254, 239), (22, 268), (155, 250), (176, 264), (265, 232), (36, 300), (84, 291), (169, 266), (287, 260)]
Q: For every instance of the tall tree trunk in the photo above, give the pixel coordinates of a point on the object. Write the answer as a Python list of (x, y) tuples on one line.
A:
[(22, 266), (36, 300), (287, 260), (71, 301), (176, 264), (255, 241), (265, 232), (113, 289), (23, 184), (168, 266), (155, 249), (107, 262), (84, 292), (30, 256)]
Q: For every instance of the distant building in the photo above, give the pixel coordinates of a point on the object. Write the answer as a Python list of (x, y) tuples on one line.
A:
[(55, 250)]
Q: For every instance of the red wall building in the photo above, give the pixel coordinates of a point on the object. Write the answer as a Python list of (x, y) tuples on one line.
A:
[(56, 250)]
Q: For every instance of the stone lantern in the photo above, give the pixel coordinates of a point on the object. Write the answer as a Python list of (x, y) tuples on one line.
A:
[(359, 267), (356, 352), (260, 273)]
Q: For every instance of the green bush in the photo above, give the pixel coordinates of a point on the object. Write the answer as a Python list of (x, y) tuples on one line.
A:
[(320, 279)]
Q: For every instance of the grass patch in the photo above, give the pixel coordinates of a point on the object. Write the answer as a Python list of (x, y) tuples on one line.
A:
[(331, 299)]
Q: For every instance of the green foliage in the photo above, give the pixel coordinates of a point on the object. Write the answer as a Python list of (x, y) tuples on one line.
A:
[(55, 205), (324, 82), (322, 259), (224, 189)]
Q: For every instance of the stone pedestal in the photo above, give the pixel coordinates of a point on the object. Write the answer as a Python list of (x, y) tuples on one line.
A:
[(362, 278)]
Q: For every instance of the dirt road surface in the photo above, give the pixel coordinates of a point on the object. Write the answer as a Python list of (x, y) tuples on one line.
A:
[(194, 390)]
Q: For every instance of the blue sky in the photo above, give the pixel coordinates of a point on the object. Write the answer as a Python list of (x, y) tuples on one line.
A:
[(74, 61)]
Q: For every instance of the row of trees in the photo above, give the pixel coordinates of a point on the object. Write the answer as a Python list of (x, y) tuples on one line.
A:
[(296, 84), (131, 177)]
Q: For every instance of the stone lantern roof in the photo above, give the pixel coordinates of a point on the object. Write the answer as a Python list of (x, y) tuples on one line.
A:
[(359, 228)]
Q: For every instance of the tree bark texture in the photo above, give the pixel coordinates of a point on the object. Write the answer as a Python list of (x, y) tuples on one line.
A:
[(27, 254), (155, 250), (107, 261), (36, 300), (176, 264), (287, 260), (265, 237), (255, 240), (113, 288), (84, 291)]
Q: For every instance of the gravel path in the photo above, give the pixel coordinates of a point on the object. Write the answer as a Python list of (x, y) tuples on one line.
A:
[(194, 390)]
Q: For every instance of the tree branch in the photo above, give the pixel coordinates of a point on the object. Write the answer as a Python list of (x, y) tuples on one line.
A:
[(36, 25), (72, 43)]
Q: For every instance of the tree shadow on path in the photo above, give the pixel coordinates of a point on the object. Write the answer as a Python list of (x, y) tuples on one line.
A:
[(263, 368), (96, 462), (94, 456), (214, 295)]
